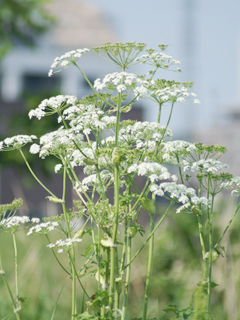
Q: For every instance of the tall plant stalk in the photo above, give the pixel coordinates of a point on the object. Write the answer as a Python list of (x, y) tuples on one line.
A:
[(150, 264)]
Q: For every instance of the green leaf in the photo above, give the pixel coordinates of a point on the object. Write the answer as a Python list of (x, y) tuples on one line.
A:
[(22, 299), (171, 308), (56, 303)]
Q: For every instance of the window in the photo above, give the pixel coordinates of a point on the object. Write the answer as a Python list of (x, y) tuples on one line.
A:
[(35, 84)]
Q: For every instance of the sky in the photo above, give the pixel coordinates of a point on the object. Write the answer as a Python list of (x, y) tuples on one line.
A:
[(204, 35)]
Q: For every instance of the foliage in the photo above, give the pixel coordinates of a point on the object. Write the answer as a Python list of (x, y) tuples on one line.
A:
[(20, 22)]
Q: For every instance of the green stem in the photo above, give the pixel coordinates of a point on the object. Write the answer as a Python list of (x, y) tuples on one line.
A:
[(150, 264), (179, 169), (127, 280), (124, 245), (92, 87), (229, 223), (74, 310), (16, 269), (57, 257), (169, 118), (112, 287), (114, 238), (79, 183), (35, 177), (201, 238), (150, 235), (79, 281), (210, 256), (141, 195), (200, 231), (99, 257), (159, 112), (8, 288)]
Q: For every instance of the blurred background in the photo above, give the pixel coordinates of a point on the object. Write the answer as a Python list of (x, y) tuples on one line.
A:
[(203, 35)]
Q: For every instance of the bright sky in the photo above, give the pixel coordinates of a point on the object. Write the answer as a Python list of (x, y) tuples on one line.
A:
[(204, 35)]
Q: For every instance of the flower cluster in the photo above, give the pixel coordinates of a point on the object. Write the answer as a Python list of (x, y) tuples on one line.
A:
[(52, 105), (14, 223), (163, 91), (120, 81), (16, 142), (154, 171), (66, 244), (66, 60), (56, 142), (208, 165), (121, 54), (180, 193), (236, 182), (42, 228), (157, 59), (11, 207), (173, 151)]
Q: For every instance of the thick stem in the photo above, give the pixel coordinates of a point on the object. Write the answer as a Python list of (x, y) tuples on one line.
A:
[(112, 287), (150, 264), (159, 112), (201, 238), (72, 260), (16, 269), (99, 257), (114, 238), (127, 280), (210, 256)]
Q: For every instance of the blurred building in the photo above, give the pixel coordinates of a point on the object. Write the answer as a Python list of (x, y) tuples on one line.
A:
[(24, 70), (224, 131), (78, 25)]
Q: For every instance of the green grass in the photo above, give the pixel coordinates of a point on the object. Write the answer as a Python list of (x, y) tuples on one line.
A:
[(176, 272)]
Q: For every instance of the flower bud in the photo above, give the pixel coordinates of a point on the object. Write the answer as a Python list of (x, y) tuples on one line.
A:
[(132, 231), (208, 225), (54, 199), (196, 210), (116, 156), (126, 108), (148, 205), (89, 162), (78, 234), (215, 255), (107, 242)]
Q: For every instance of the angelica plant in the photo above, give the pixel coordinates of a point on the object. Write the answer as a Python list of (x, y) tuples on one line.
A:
[(113, 154)]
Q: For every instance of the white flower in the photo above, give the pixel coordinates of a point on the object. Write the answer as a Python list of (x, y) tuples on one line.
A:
[(43, 228), (51, 245), (52, 105), (16, 142), (180, 100), (34, 148), (50, 73), (67, 59), (66, 244), (209, 165), (121, 88), (57, 167), (12, 224)]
